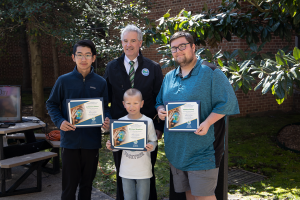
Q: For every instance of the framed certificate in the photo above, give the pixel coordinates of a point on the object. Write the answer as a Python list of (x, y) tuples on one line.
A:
[(85, 112), (182, 116), (128, 134)]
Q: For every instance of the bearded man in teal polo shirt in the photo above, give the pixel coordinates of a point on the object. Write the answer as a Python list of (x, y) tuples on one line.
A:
[(195, 157)]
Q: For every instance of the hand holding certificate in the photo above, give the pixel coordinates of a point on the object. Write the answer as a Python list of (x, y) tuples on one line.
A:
[(182, 115), (128, 134), (85, 112)]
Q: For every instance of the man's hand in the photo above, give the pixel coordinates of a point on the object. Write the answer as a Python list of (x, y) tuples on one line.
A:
[(149, 147), (66, 126), (106, 124), (203, 128), (108, 145), (158, 134), (162, 113)]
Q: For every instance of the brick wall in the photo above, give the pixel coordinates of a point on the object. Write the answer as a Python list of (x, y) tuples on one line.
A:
[(11, 71), (11, 65)]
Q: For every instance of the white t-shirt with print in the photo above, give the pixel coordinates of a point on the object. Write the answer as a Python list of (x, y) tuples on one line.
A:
[(137, 164)]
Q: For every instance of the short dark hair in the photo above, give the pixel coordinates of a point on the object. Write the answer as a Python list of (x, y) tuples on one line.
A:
[(187, 36), (133, 92), (85, 43)]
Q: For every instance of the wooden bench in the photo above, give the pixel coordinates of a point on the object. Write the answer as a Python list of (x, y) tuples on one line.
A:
[(36, 161), (55, 161), (20, 136), (54, 144)]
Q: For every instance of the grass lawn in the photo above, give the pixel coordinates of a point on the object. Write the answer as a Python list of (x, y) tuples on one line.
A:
[(252, 147)]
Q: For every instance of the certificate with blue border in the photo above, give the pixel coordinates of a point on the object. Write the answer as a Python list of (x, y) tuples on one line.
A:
[(182, 116), (128, 134), (85, 112)]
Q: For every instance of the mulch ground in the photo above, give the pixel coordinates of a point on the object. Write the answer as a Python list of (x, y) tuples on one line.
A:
[(290, 137)]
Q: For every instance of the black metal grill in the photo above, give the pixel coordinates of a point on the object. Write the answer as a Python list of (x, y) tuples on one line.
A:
[(241, 177)]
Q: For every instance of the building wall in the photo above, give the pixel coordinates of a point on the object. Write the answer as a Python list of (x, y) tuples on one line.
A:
[(11, 71)]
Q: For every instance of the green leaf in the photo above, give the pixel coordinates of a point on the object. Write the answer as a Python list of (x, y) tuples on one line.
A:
[(245, 89), (226, 55), (280, 101), (217, 36), (296, 53), (280, 60), (259, 85), (235, 86), (164, 38), (220, 62), (253, 47), (147, 21), (228, 19), (280, 74), (295, 71), (176, 27), (242, 54), (278, 90), (265, 56), (240, 83), (182, 23), (208, 54), (191, 23), (185, 13), (264, 33), (166, 15), (161, 21), (202, 31), (244, 65), (234, 53), (296, 18), (275, 26), (266, 88)]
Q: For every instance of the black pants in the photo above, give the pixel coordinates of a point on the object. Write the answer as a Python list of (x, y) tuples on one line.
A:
[(120, 195), (79, 168)]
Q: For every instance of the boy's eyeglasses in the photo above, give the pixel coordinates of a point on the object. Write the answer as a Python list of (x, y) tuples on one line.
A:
[(181, 47), (86, 56)]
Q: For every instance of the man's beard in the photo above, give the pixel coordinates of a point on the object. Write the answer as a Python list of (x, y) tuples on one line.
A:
[(184, 61)]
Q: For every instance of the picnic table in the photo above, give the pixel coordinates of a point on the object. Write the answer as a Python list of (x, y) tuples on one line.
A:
[(25, 153)]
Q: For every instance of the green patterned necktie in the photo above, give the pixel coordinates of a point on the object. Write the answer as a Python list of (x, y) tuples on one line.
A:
[(131, 73)]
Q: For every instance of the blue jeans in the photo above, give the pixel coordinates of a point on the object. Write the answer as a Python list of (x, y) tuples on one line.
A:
[(136, 189)]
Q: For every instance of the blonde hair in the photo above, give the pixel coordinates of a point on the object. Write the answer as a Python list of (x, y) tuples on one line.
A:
[(133, 92)]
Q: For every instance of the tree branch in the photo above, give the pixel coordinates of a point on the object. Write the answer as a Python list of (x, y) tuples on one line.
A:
[(258, 6)]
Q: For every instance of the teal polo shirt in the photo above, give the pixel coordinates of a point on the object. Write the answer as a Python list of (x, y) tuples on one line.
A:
[(186, 150)]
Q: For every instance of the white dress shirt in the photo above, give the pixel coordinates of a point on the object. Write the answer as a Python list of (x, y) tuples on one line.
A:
[(127, 65)]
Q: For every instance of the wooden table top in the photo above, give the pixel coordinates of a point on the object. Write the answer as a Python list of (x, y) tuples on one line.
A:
[(24, 125)]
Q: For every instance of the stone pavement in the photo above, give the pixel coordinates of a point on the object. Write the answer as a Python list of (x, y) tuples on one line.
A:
[(51, 187)]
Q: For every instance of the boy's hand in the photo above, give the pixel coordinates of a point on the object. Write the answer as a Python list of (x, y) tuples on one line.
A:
[(108, 145), (149, 147), (106, 124), (66, 126)]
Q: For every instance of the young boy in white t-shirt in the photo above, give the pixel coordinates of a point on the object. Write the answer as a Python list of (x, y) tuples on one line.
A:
[(136, 168)]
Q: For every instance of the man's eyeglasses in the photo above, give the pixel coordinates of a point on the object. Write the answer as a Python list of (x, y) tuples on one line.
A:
[(86, 56), (181, 47)]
